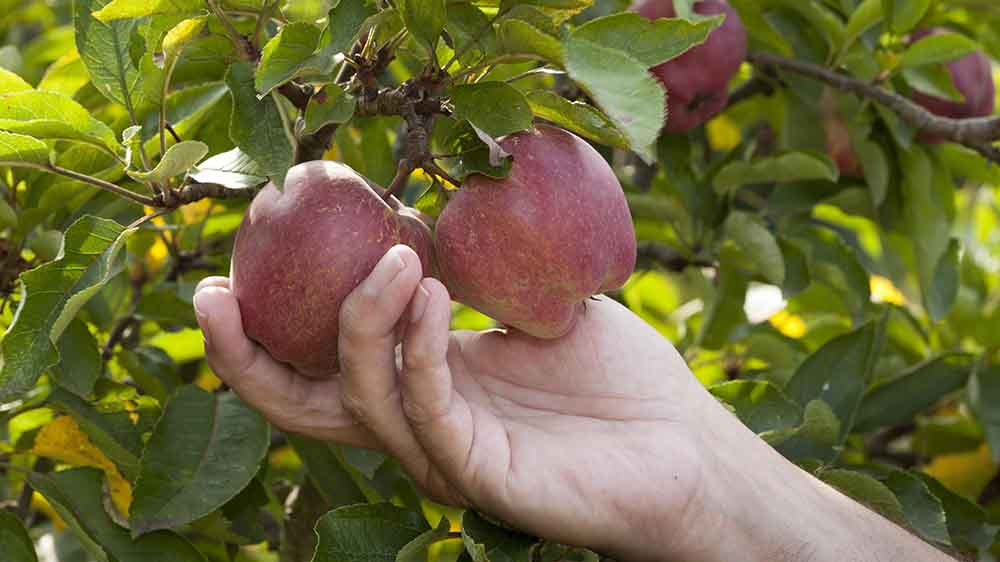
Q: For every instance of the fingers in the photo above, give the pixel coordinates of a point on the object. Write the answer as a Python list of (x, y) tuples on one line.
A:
[(368, 325), (440, 418), (289, 400)]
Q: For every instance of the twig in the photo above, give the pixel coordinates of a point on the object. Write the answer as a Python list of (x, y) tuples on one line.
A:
[(753, 87), (976, 133), (97, 182), (403, 171), (243, 47)]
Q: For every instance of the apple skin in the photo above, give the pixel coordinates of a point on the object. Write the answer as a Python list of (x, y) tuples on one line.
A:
[(972, 76), (838, 138), (697, 81), (299, 252), (529, 249)]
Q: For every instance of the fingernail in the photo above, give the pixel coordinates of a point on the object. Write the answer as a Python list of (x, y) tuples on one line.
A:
[(202, 313), (385, 271), (419, 305)]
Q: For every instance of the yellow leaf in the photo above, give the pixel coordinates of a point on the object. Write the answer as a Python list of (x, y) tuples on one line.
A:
[(884, 291), (64, 441), (197, 211), (39, 503), (182, 34), (206, 380), (791, 325), (723, 133), (964, 473)]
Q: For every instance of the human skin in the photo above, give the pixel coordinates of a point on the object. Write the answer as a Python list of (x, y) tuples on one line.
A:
[(602, 438)]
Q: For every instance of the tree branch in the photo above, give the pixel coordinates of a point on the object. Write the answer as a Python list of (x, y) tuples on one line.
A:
[(976, 133), (97, 182)]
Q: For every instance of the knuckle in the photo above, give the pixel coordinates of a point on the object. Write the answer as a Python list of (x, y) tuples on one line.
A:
[(423, 414)]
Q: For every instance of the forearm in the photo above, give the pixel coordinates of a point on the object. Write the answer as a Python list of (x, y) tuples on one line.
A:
[(755, 506)]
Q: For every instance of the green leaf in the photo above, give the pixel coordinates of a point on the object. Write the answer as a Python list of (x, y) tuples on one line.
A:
[(204, 450), (331, 105), (865, 16), (105, 49), (53, 116), (495, 107), (471, 31), (759, 29), (579, 117), (757, 244), (124, 9), (284, 55), (177, 160), (10, 82), (875, 164), (17, 149), (425, 19), (152, 369), (518, 37), (968, 524), (923, 510), (15, 543), (786, 167), (866, 490), (837, 374), (76, 494), (257, 125), (937, 48), (366, 533), (984, 396), (940, 296), (53, 293), (932, 79), (181, 35), (760, 405), (345, 21), (928, 208), (486, 542), (913, 391), (623, 88), (113, 432), (726, 311), (417, 549), (233, 169), (558, 10), (432, 201), (904, 15), (80, 363), (649, 42), (327, 473)]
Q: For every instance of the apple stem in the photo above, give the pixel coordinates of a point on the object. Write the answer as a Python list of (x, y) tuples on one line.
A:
[(403, 171)]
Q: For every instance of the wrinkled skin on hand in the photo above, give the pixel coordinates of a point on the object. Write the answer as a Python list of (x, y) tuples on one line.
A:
[(565, 438)]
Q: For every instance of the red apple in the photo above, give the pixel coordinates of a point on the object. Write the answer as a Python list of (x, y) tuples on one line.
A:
[(529, 249), (972, 76), (697, 81), (300, 251), (838, 137)]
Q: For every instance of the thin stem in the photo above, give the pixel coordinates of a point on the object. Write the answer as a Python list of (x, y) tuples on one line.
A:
[(976, 133), (97, 182), (239, 42), (403, 171), (534, 71), (262, 18), (483, 66)]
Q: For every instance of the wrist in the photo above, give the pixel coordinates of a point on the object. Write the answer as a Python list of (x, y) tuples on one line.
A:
[(755, 505)]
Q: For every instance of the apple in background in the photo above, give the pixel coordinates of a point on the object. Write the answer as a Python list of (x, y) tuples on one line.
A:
[(838, 137), (300, 251), (697, 81), (972, 76), (529, 249)]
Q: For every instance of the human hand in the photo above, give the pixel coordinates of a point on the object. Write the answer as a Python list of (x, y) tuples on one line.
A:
[(601, 438)]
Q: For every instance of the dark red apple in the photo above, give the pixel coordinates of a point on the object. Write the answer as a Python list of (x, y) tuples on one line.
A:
[(530, 248), (300, 251), (838, 137), (697, 81), (972, 76)]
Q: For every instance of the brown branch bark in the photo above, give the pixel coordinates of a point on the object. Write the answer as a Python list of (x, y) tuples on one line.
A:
[(975, 133)]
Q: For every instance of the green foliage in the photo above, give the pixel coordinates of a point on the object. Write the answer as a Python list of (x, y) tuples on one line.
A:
[(873, 363)]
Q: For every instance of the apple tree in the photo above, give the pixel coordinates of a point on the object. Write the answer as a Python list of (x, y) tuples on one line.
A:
[(813, 186)]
